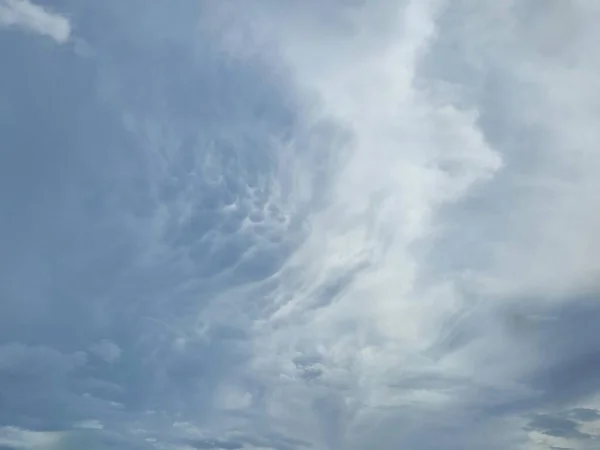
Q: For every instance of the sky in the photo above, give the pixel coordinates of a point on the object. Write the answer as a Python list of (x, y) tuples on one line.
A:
[(299, 225)]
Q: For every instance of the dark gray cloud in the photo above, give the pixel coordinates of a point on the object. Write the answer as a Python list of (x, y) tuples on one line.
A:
[(555, 426), (585, 414)]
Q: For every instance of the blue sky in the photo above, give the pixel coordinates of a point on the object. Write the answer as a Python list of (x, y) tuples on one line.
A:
[(328, 225)]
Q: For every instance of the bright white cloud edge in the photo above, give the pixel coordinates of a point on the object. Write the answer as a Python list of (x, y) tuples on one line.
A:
[(34, 18)]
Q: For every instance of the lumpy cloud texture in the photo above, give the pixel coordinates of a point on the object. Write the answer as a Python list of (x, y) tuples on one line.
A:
[(326, 225)]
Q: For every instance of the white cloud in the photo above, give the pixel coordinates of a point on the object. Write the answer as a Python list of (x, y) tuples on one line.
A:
[(440, 184), (91, 424), (34, 18), (18, 438), (419, 155)]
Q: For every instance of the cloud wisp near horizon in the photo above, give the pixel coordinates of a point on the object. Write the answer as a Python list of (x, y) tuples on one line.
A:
[(328, 225)]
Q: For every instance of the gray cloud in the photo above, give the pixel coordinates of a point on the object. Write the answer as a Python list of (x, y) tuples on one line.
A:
[(328, 225), (585, 414), (207, 444), (107, 350), (555, 426)]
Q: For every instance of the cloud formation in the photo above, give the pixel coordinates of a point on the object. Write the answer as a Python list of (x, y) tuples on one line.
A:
[(34, 18), (319, 225)]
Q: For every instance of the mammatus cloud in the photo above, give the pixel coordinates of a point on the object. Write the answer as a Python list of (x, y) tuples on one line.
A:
[(466, 142), (313, 225), (34, 18)]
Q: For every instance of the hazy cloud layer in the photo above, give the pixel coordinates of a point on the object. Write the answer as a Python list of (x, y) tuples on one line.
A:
[(325, 225)]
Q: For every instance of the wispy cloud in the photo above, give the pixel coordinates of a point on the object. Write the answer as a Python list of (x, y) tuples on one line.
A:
[(313, 225), (365, 297), (34, 18)]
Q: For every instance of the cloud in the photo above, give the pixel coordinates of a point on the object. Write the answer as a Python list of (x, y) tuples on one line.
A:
[(15, 438), (33, 376), (90, 425), (554, 426), (585, 414), (436, 167), (208, 444), (328, 225), (107, 350), (34, 18)]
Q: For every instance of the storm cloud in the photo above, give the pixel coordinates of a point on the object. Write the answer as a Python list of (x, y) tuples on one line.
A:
[(324, 225)]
